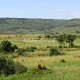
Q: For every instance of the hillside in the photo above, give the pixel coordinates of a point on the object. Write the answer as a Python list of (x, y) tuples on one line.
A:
[(24, 25)]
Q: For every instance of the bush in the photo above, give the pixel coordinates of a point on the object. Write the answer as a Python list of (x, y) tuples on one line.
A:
[(6, 46), (9, 67), (31, 49), (54, 51), (21, 51), (14, 47), (6, 66)]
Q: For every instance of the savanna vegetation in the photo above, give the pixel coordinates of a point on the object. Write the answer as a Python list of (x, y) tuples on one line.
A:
[(25, 54), (25, 25), (59, 53)]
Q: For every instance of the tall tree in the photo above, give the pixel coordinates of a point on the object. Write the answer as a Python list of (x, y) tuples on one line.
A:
[(70, 39), (61, 39)]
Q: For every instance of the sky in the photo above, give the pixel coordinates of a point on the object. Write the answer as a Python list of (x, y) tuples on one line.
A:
[(45, 9)]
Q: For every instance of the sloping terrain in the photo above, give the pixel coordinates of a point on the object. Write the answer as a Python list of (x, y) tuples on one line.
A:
[(25, 25)]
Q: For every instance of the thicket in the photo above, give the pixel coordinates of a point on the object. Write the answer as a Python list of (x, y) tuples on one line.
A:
[(21, 51), (54, 51), (6, 46), (31, 49), (9, 67)]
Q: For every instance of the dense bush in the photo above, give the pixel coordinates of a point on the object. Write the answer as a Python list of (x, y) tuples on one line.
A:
[(54, 51), (14, 47), (31, 49), (6, 66), (21, 51), (6, 46), (9, 67)]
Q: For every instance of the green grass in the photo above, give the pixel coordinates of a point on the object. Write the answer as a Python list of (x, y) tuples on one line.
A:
[(56, 70), (60, 71)]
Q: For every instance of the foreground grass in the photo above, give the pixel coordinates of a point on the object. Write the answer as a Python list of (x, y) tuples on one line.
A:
[(62, 73), (56, 70)]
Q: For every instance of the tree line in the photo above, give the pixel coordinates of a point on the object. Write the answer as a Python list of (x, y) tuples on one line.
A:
[(69, 38)]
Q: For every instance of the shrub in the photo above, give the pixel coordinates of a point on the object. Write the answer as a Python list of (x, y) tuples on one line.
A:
[(9, 67), (6, 66), (54, 51), (6, 46), (21, 51), (31, 49), (14, 47)]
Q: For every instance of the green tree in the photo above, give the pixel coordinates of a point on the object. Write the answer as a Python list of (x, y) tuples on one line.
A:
[(47, 36), (54, 51), (61, 39), (6, 46), (70, 39), (21, 51)]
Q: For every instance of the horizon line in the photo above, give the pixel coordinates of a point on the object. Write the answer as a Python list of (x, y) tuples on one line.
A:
[(37, 18)]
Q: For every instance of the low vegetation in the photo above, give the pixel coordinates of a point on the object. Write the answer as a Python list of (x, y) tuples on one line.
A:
[(23, 60), (9, 67), (54, 51)]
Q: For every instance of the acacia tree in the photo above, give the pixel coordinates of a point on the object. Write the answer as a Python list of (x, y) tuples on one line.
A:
[(70, 39), (61, 39)]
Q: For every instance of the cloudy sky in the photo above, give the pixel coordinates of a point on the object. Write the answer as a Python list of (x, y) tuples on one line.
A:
[(46, 9)]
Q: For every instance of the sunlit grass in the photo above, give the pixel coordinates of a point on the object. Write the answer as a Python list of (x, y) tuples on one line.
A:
[(57, 70)]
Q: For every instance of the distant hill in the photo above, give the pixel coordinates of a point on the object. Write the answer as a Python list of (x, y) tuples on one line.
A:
[(25, 25)]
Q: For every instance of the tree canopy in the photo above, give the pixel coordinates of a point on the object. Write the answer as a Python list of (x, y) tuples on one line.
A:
[(6, 46)]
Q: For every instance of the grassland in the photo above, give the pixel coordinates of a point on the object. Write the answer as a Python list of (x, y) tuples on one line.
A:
[(56, 70)]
